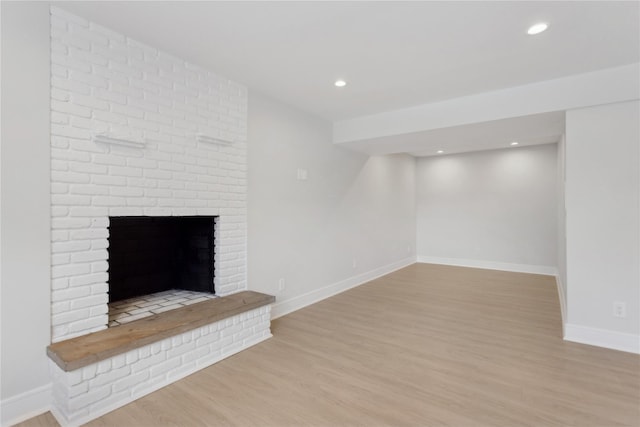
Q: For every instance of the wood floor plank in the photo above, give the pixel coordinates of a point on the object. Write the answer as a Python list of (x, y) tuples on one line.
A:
[(428, 345)]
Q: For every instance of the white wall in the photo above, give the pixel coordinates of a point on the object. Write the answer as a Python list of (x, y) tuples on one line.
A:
[(562, 226), (603, 242), (493, 209), (25, 224), (351, 207)]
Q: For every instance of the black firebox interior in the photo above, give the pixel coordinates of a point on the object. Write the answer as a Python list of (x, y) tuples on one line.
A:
[(154, 254)]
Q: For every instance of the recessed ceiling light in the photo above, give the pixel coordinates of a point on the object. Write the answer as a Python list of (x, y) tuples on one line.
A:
[(514, 143), (440, 151), (340, 83), (537, 28)]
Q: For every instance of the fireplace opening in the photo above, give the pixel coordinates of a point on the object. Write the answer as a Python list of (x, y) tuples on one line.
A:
[(149, 255)]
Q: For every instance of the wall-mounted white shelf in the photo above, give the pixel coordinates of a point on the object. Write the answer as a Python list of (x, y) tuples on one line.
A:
[(113, 140), (212, 140)]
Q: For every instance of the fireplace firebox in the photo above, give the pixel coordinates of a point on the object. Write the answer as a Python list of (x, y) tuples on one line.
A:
[(155, 254)]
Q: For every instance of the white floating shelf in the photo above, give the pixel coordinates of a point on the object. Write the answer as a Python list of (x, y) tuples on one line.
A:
[(212, 140), (106, 139)]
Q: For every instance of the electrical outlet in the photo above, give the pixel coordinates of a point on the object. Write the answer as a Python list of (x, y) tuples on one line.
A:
[(409, 249), (619, 309), (354, 264), (281, 285)]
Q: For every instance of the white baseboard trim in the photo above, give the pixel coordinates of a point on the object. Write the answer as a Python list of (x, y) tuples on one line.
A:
[(563, 302), (602, 338), (25, 405), (546, 270), (296, 303)]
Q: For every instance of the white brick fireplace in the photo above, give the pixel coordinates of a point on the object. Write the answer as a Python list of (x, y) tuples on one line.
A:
[(104, 83), (138, 132)]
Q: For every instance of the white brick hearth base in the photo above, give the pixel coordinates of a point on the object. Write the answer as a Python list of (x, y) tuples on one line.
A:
[(89, 392)]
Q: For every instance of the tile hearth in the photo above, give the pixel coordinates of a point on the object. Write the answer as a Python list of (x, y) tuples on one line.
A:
[(125, 311)]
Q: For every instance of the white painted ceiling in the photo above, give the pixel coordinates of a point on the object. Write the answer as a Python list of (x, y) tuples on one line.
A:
[(393, 54)]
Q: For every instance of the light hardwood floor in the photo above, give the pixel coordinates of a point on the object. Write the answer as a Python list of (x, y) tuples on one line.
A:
[(427, 345)]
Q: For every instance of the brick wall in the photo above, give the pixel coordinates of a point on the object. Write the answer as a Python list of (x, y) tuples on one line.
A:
[(87, 393), (104, 82)]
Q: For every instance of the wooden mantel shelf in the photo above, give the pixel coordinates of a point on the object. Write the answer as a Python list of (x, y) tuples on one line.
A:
[(81, 351)]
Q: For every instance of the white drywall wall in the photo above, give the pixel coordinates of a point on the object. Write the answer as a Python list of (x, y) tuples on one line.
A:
[(25, 243), (492, 208), (562, 228), (602, 198), (309, 232)]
